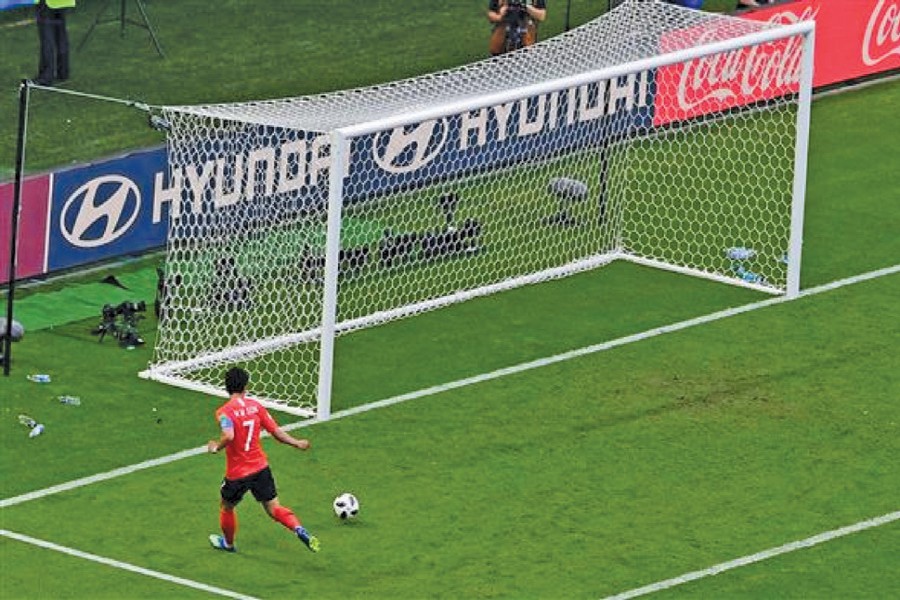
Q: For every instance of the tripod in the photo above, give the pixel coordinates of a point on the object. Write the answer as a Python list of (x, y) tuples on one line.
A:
[(123, 19)]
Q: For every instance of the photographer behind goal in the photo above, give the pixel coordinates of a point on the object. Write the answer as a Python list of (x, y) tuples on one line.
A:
[(515, 23)]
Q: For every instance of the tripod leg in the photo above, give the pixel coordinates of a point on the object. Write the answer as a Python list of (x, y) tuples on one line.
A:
[(93, 25), (140, 5)]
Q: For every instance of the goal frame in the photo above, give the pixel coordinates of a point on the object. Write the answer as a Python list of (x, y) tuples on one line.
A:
[(342, 137), (328, 328)]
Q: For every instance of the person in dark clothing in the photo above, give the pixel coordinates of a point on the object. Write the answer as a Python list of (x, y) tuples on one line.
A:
[(51, 26)]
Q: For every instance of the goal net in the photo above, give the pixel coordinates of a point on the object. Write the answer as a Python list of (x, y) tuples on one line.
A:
[(656, 134)]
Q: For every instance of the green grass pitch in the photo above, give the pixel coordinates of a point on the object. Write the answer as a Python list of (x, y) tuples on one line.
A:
[(579, 479)]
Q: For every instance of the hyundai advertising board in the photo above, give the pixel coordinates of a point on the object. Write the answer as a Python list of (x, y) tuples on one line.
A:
[(105, 210), (252, 172), (529, 129)]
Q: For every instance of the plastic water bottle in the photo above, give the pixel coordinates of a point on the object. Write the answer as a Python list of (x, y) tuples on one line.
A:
[(751, 277), (740, 253), (36, 430), (70, 400), (39, 378)]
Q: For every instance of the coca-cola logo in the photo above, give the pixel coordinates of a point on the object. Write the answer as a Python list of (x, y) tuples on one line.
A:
[(756, 72), (882, 37)]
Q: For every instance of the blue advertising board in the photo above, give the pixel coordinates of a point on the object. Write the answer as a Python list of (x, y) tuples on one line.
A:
[(107, 209), (8, 4)]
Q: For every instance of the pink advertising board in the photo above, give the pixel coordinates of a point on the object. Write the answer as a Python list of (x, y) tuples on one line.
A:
[(32, 242)]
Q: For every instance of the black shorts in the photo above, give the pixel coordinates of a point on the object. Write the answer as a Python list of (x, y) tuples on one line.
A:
[(261, 484)]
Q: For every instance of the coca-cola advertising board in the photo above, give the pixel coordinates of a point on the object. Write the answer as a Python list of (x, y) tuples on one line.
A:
[(854, 38)]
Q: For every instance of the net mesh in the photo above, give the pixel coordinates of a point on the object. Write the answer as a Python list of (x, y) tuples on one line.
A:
[(633, 31), (663, 164)]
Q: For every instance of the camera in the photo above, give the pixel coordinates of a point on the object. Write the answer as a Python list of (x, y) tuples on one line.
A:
[(515, 9), (124, 331), (516, 23), (129, 311)]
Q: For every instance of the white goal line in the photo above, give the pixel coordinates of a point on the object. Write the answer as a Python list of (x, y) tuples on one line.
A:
[(603, 346)]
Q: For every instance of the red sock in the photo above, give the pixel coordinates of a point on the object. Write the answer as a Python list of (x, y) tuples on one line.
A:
[(286, 517), (228, 522)]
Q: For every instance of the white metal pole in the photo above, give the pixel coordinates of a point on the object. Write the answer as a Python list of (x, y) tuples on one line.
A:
[(801, 148), (339, 144)]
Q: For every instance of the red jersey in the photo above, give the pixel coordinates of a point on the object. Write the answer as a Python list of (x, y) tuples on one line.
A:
[(246, 417)]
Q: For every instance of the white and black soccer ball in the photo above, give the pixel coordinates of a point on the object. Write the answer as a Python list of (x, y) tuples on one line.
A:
[(346, 506)]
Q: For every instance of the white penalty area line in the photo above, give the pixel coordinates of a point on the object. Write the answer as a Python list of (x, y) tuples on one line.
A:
[(460, 383), (124, 565), (759, 556)]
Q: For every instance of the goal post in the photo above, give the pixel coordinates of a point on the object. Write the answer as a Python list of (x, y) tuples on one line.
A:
[(801, 151), (655, 134), (332, 263)]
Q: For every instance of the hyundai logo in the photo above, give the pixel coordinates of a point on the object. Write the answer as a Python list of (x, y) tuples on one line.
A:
[(409, 148), (100, 211)]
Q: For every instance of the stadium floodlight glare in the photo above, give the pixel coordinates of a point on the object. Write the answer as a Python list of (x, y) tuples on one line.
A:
[(655, 134)]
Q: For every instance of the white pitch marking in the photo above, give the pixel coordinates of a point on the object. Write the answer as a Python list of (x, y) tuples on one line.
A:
[(520, 368), (759, 556), (628, 339), (124, 565), (77, 483)]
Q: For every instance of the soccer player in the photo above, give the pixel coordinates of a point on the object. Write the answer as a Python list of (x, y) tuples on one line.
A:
[(247, 468)]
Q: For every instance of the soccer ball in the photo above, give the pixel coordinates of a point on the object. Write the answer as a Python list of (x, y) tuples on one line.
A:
[(346, 506)]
